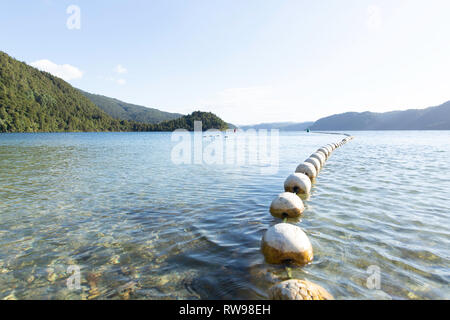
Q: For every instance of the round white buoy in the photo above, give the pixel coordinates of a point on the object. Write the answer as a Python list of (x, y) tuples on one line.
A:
[(319, 156), (325, 152), (330, 150), (286, 243), (287, 205), (315, 162), (298, 290), (308, 169), (297, 183)]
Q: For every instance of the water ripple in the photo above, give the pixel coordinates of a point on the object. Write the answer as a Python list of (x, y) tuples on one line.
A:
[(115, 205)]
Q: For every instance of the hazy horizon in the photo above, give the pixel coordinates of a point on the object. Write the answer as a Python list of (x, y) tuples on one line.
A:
[(248, 62)]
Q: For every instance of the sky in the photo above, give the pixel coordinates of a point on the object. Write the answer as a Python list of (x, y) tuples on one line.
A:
[(248, 61)]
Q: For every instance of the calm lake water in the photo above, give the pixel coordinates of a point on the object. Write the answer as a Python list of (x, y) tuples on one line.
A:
[(141, 227)]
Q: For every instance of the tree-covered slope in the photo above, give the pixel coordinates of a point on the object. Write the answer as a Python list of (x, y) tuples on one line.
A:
[(209, 121), (36, 101), (127, 111)]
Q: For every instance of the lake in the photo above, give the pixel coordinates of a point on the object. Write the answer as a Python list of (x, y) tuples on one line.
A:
[(139, 226)]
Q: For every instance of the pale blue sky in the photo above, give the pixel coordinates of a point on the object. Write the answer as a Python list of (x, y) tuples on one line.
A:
[(248, 61)]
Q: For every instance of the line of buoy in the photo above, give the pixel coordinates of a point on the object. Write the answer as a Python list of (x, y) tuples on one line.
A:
[(285, 243)]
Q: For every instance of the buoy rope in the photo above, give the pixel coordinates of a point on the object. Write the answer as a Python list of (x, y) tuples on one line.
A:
[(328, 154), (334, 133)]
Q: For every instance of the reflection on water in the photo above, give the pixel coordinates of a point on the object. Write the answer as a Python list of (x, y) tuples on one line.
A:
[(141, 227)]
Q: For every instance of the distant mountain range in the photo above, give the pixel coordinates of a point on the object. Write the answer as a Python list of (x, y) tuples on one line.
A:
[(282, 126), (433, 118), (127, 111)]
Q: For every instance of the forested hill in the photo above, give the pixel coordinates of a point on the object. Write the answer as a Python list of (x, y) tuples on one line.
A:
[(433, 118), (127, 111), (36, 101), (209, 121)]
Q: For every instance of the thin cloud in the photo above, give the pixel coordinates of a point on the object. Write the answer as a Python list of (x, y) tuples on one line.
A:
[(66, 72), (120, 69), (118, 81)]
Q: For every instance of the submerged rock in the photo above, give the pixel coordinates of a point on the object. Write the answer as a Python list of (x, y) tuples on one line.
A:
[(127, 289), (286, 243), (298, 290), (298, 183), (51, 275), (287, 205), (11, 296), (114, 259)]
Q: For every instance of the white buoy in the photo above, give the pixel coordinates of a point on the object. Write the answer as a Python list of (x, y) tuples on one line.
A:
[(298, 290), (330, 150), (308, 169), (286, 243), (315, 162), (297, 183), (325, 152), (319, 156), (287, 205)]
